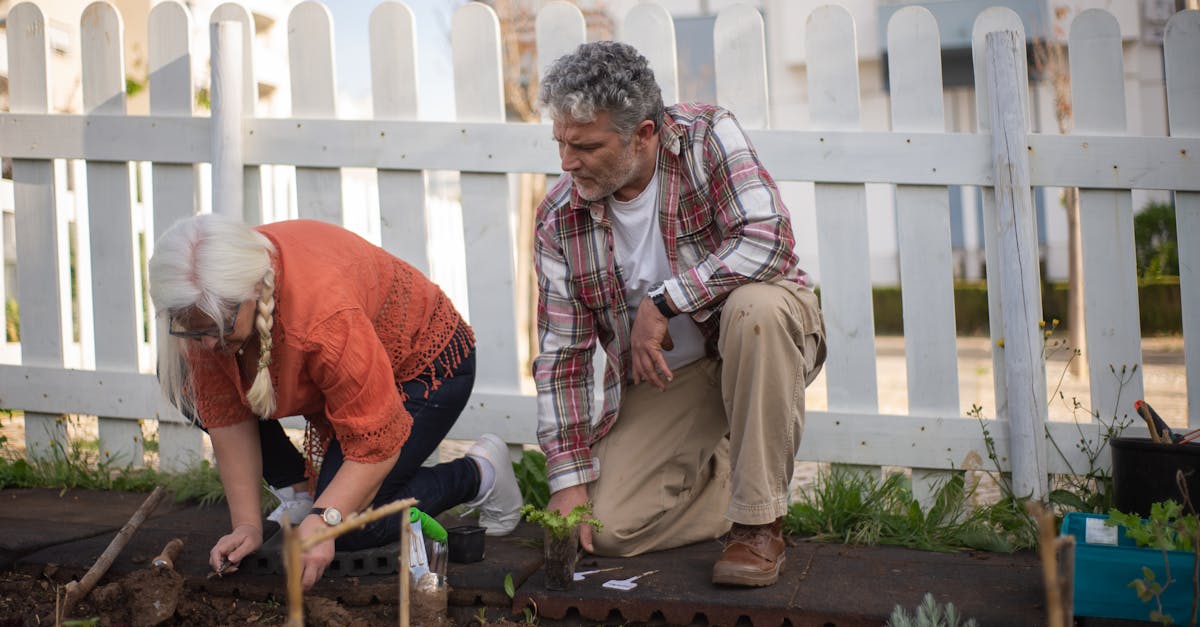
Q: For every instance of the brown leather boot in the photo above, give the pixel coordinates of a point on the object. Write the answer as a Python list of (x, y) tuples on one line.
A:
[(753, 555)]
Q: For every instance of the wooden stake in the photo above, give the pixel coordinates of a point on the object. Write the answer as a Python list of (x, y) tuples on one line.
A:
[(294, 548), (76, 591), (1046, 550), (405, 573), (293, 570), (1066, 576)]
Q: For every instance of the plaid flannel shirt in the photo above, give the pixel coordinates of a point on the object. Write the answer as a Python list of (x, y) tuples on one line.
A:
[(723, 225)]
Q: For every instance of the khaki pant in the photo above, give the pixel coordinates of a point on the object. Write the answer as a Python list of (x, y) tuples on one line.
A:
[(719, 444)]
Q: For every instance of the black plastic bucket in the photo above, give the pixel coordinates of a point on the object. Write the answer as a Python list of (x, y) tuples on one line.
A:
[(1144, 472)]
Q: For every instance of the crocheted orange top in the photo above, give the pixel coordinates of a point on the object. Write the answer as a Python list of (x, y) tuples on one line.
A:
[(351, 323)]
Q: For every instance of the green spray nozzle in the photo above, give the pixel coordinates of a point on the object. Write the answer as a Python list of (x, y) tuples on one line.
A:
[(429, 526)]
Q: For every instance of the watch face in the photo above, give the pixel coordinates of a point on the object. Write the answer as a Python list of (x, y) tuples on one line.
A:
[(332, 516)]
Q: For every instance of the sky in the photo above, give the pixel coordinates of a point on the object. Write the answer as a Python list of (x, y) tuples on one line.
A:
[(434, 66)]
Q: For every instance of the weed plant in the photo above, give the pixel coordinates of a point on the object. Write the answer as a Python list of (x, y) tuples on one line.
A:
[(1090, 489), (531, 477), (849, 507)]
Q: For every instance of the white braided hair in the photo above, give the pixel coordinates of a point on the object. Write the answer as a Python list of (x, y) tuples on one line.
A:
[(262, 393), (212, 263)]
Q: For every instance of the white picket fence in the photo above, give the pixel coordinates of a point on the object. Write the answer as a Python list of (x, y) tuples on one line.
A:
[(917, 156)]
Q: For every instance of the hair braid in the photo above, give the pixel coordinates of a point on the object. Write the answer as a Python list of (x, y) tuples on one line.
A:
[(262, 392)]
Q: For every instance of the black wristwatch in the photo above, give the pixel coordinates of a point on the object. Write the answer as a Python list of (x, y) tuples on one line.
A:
[(658, 296)]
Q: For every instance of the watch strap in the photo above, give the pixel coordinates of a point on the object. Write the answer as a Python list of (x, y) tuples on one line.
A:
[(659, 298), (320, 511)]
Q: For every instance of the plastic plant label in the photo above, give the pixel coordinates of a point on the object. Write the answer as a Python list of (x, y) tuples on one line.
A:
[(1096, 532), (626, 584)]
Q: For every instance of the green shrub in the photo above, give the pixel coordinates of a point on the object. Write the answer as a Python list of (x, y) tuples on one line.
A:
[(1155, 243), (12, 319), (1158, 299)]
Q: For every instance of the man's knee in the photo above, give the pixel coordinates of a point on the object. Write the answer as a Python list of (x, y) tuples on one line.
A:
[(758, 308), (620, 532)]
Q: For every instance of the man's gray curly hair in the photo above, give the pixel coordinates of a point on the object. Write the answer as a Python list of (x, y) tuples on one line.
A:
[(603, 76)]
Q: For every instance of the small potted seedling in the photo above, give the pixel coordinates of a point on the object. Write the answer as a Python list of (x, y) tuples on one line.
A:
[(561, 540)]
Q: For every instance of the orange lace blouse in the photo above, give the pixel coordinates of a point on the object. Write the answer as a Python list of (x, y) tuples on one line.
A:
[(351, 323)]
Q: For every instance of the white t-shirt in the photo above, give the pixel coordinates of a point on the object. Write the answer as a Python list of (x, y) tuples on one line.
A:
[(642, 259)]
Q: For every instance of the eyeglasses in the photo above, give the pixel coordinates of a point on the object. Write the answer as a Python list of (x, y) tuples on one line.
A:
[(177, 329)]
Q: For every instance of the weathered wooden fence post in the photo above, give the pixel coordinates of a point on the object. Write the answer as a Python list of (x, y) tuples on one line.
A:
[(226, 134), (252, 196), (1019, 276)]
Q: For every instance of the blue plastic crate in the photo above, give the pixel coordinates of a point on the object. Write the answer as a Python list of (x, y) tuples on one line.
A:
[(1103, 572)]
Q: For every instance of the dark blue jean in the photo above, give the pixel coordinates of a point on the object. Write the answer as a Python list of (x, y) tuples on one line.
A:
[(437, 488)]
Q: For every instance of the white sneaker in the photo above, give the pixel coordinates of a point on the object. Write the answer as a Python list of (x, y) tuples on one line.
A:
[(295, 504), (500, 508)]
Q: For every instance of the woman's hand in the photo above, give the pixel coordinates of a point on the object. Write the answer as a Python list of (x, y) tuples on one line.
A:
[(316, 559), (233, 547)]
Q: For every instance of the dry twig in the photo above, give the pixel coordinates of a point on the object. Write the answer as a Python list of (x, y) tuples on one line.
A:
[(76, 591)]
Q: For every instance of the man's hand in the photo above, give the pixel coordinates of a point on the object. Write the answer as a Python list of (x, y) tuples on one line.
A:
[(316, 559), (568, 499), (234, 546), (649, 338)]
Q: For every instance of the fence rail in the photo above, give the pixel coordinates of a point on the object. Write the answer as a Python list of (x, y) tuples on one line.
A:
[(834, 154)]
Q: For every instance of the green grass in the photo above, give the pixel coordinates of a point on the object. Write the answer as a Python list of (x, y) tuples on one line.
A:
[(852, 508), (79, 465)]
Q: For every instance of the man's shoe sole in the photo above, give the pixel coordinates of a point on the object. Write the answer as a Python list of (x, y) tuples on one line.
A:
[(732, 576)]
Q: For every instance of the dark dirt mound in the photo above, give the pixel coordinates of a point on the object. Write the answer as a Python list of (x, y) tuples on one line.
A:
[(139, 597)]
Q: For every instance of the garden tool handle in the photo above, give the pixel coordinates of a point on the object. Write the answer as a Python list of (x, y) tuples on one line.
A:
[(1154, 436), (169, 554), (1158, 426)]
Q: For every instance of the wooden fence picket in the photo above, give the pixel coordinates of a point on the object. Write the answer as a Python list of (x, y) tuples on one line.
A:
[(180, 444), (740, 58), (116, 293), (650, 29), (44, 303), (1114, 347), (1181, 48), (923, 233), (252, 196), (314, 95), (403, 217), (560, 29), (488, 218), (841, 212)]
